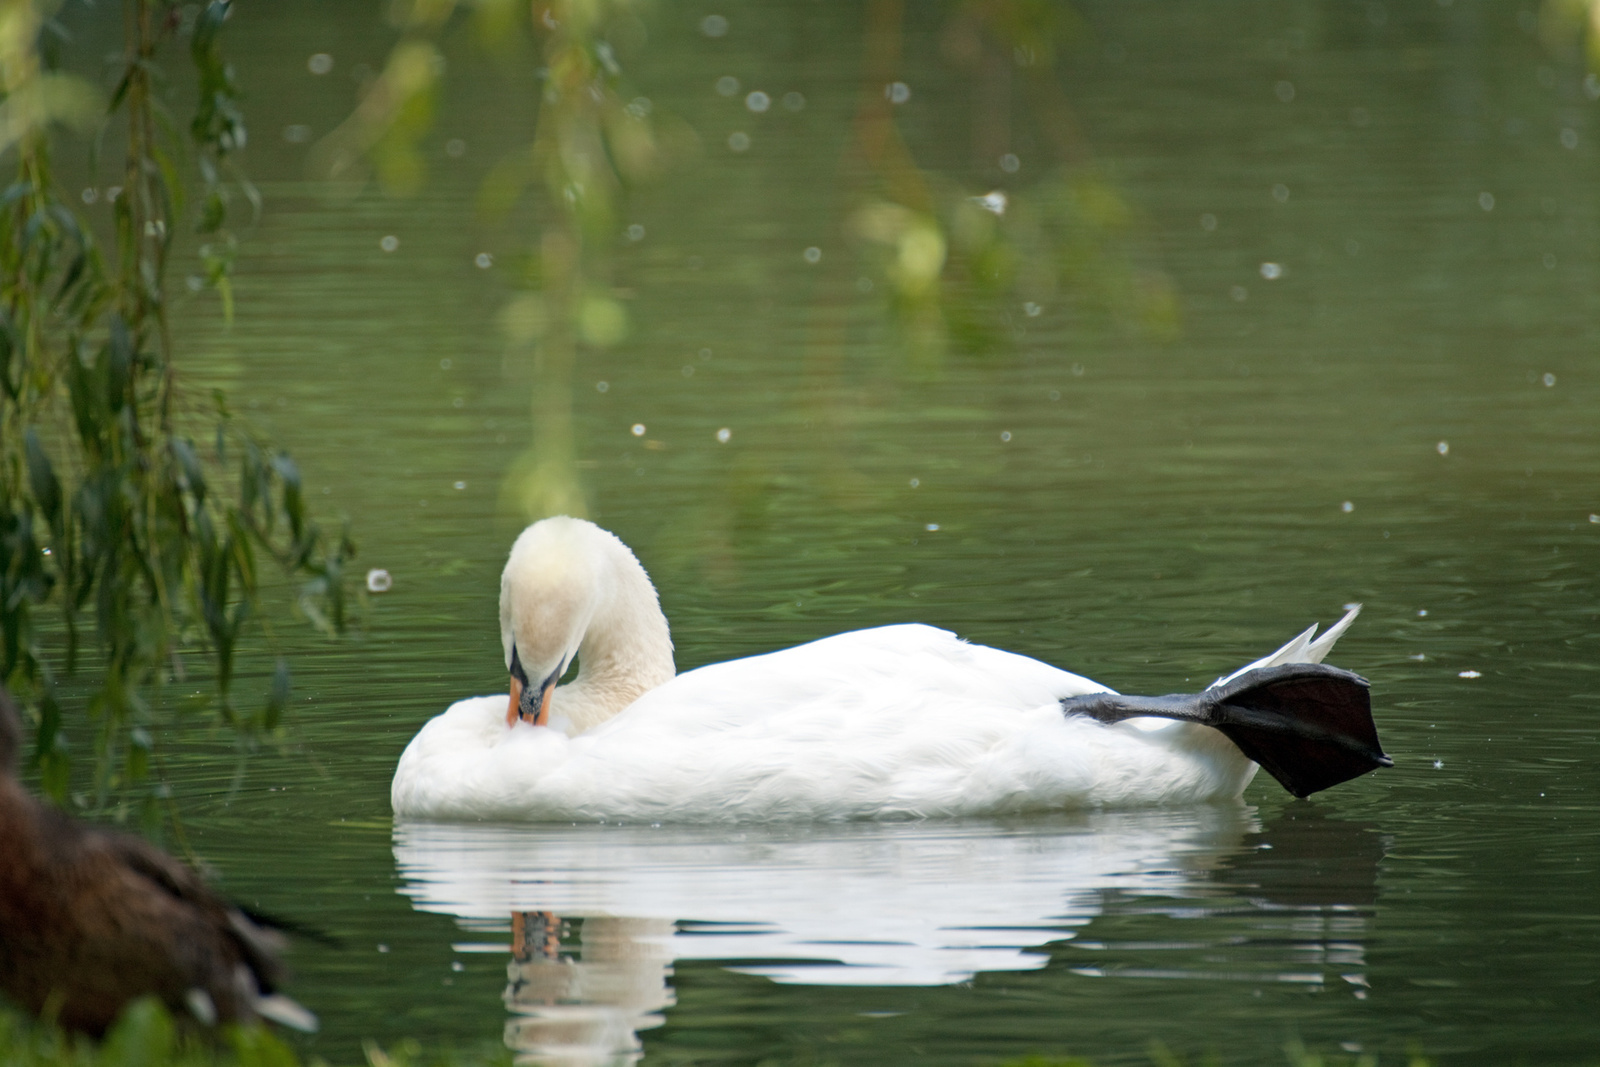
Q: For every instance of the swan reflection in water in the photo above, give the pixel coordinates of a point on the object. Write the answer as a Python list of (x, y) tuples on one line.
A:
[(588, 1009), (899, 904)]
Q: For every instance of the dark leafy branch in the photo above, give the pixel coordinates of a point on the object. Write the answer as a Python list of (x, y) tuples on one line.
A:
[(143, 543)]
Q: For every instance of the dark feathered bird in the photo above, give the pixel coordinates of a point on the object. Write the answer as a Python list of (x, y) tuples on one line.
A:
[(91, 919)]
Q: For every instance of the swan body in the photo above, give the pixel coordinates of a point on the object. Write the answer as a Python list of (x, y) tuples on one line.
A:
[(904, 721)]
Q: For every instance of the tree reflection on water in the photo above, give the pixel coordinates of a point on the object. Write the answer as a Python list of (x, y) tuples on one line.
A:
[(963, 254)]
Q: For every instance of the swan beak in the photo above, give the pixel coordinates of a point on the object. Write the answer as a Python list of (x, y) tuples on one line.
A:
[(542, 716), (516, 699), (514, 708)]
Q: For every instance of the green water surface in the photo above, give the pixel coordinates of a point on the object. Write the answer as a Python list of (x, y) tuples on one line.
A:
[(1406, 416)]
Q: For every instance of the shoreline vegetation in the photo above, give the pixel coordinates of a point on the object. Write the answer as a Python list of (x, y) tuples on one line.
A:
[(146, 1036)]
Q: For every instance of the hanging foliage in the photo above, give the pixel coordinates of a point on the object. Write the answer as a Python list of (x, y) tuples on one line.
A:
[(589, 143), (127, 547)]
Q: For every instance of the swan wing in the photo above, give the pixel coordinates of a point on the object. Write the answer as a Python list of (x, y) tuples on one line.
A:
[(908, 666)]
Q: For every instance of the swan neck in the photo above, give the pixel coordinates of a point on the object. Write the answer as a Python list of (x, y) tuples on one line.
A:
[(626, 650)]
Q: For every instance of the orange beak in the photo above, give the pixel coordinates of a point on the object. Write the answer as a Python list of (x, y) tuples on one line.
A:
[(539, 719)]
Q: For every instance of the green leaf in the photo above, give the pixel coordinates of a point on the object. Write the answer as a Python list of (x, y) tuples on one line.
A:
[(293, 503), (244, 557), (214, 214), (86, 409), (11, 346), (277, 695), (140, 745), (42, 479), (189, 465), (119, 363), (143, 1036)]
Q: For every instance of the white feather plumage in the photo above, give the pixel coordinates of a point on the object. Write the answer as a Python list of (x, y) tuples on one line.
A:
[(894, 722)]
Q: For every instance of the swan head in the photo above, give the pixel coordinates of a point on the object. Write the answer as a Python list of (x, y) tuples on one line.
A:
[(570, 587)]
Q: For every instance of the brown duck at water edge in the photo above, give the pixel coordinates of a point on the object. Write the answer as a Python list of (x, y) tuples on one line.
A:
[(91, 919)]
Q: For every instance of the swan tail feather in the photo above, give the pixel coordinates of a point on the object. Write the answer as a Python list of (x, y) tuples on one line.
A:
[(1318, 650), (1302, 649), (1308, 725)]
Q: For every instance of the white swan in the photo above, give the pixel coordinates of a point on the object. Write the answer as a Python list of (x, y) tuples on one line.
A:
[(897, 721)]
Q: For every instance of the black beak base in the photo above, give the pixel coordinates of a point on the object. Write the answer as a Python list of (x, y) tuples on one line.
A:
[(532, 695)]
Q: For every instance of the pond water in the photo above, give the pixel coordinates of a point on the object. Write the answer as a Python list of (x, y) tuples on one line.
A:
[(1380, 228)]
